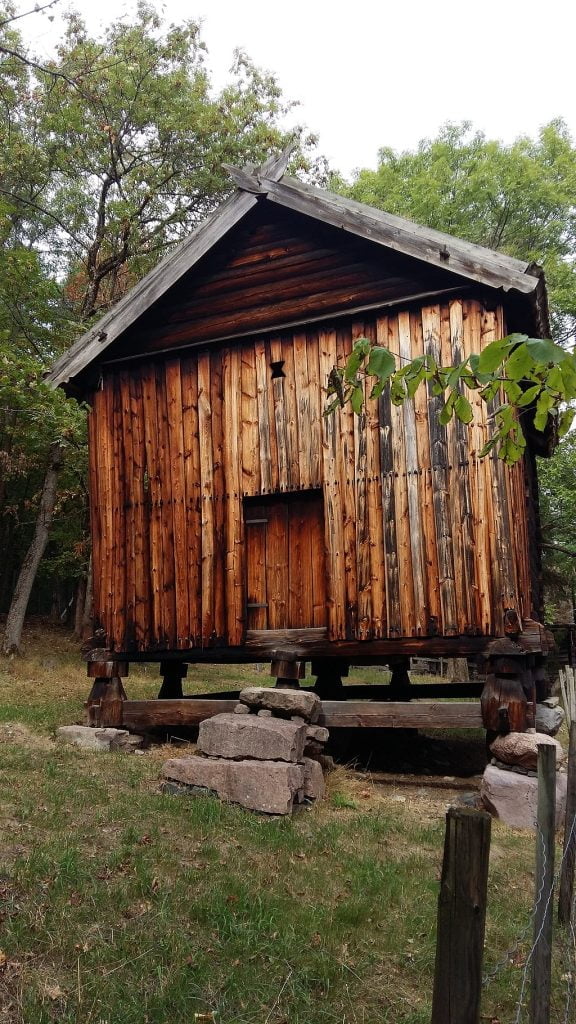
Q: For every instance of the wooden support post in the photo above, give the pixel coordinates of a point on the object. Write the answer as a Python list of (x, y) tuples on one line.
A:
[(544, 892), (288, 668), (505, 705), (329, 672), (400, 678), (461, 918), (104, 704), (566, 914), (172, 672)]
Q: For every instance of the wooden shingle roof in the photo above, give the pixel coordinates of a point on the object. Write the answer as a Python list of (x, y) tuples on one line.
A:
[(470, 262)]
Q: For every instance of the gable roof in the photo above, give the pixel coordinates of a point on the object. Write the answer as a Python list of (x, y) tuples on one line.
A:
[(469, 261)]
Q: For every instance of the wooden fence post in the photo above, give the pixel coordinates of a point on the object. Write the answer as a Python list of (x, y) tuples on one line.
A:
[(566, 896), (544, 895), (461, 918)]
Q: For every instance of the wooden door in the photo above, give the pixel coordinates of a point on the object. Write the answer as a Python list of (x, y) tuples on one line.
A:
[(285, 562)]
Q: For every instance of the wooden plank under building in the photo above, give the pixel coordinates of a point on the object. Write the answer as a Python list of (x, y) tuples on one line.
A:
[(335, 714)]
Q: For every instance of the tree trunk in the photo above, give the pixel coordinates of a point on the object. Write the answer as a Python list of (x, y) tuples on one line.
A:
[(27, 575), (79, 606)]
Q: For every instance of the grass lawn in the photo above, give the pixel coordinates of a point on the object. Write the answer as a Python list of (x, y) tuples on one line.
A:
[(120, 905)]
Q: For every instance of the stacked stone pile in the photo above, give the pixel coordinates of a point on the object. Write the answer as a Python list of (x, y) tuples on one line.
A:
[(510, 784), (264, 755)]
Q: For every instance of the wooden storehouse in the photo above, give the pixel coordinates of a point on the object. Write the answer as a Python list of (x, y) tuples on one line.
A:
[(233, 521)]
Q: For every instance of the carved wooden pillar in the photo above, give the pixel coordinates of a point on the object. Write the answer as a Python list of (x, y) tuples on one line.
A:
[(508, 699), (104, 703)]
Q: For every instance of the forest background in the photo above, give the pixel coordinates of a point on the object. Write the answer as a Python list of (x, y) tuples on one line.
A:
[(112, 151)]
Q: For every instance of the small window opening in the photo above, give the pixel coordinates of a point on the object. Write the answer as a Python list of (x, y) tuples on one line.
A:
[(277, 370)]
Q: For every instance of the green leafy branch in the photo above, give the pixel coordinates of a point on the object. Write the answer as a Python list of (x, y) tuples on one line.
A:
[(516, 376)]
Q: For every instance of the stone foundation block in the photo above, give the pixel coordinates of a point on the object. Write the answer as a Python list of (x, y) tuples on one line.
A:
[(522, 748), (283, 702), (514, 798), (248, 736), (270, 788), (548, 719), (314, 786)]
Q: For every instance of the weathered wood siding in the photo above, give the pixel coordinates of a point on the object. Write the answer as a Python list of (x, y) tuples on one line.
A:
[(421, 537)]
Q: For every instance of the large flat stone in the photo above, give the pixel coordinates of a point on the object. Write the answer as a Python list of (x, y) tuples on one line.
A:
[(522, 748), (87, 738), (514, 798), (270, 788), (282, 701), (249, 736)]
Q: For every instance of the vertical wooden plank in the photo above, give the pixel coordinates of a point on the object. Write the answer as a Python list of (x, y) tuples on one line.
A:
[(374, 507), (347, 484), (393, 613), (192, 494), (151, 444), (119, 522), (249, 421), (206, 496), (420, 611), (263, 412), (303, 412), (432, 344), (316, 411), (271, 403), (432, 584), (364, 624), (235, 583), (404, 545), (256, 526), (218, 495), (462, 483), (131, 483), (166, 512), (178, 499), (318, 564), (277, 561), (106, 446), (96, 486), (334, 534), (300, 602), (290, 411), (471, 339), (284, 461), (142, 581)]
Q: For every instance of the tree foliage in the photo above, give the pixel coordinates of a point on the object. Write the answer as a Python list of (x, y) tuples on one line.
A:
[(110, 152), (557, 479)]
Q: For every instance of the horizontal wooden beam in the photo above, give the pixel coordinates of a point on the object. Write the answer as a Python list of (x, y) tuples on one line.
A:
[(335, 714)]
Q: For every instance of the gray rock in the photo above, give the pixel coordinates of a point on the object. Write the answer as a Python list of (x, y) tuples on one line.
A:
[(248, 736), (86, 738), (283, 702), (241, 709), (551, 702), (514, 798), (549, 719), (268, 787), (317, 734), (522, 748), (263, 713), (314, 786)]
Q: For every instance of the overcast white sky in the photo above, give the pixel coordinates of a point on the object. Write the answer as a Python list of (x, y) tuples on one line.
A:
[(369, 74)]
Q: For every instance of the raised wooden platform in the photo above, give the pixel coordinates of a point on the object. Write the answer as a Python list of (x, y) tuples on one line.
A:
[(140, 715)]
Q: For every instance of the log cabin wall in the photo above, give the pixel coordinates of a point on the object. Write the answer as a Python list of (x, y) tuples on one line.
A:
[(420, 537)]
